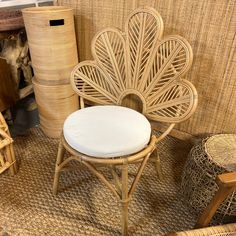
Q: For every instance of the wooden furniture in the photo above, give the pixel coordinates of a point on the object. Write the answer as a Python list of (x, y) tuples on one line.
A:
[(211, 157), (15, 65), (7, 156), (11, 20), (221, 230), (8, 90), (21, 3), (53, 50), (14, 49), (134, 68), (227, 184)]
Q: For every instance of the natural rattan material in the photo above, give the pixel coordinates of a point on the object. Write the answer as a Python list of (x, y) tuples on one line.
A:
[(201, 169), (28, 207), (51, 35), (223, 230), (55, 103), (226, 186), (7, 155), (134, 62), (209, 27), (138, 61)]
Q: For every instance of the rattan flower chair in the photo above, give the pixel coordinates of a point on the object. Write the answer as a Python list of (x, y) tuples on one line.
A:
[(135, 63), (7, 156)]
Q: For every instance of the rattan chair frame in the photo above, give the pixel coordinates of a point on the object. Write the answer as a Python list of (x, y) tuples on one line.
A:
[(227, 184), (7, 155), (135, 62)]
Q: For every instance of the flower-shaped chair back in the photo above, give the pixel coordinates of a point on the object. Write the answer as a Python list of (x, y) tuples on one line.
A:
[(139, 62)]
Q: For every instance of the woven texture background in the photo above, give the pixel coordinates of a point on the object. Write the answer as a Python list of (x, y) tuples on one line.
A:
[(209, 26), (84, 206)]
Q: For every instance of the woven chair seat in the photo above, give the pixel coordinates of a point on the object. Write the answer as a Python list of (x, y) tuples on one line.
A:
[(211, 157), (107, 131)]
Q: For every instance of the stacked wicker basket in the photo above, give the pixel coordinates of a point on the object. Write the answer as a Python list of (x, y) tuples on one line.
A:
[(53, 50)]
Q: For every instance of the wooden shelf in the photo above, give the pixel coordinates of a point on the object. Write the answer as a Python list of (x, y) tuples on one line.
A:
[(13, 3)]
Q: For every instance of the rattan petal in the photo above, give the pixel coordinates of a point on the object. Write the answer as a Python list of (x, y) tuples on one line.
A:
[(173, 104), (143, 30), (171, 59), (90, 82), (108, 49)]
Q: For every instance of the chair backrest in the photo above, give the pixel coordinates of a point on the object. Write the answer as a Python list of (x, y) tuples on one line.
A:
[(138, 62)]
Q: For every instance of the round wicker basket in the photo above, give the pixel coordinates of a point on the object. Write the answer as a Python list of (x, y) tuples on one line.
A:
[(51, 36), (55, 103), (209, 158)]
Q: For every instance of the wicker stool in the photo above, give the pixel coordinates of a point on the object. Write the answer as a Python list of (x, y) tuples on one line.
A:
[(212, 156)]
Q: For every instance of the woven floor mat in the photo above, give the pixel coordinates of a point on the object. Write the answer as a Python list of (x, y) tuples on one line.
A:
[(84, 206)]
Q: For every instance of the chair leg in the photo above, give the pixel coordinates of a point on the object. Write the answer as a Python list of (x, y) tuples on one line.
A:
[(158, 164), (10, 157), (124, 200), (124, 218), (12, 153), (60, 154)]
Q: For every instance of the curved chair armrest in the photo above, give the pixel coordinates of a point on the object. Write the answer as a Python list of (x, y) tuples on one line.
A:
[(227, 230), (163, 135), (227, 179), (227, 184)]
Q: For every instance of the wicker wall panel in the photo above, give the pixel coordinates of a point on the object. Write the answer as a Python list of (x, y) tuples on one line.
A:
[(210, 28)]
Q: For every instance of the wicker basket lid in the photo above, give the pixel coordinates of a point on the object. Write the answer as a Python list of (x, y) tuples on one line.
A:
[(221, 149)]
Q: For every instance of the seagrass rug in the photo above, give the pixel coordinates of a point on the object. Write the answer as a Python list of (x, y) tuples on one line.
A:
[(84, 206)]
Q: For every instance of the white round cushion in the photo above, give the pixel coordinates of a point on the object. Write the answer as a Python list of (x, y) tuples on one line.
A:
[(107, 131)]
